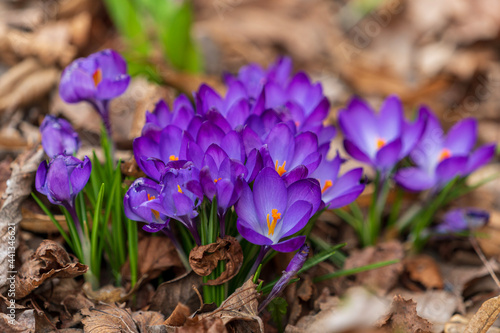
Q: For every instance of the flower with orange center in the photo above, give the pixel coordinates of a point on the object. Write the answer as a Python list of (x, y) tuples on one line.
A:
[(445, 153), (271, 225), (280, 168)]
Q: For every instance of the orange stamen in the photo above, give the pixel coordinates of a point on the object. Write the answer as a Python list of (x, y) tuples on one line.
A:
[(173, 158), (271, 225), (280, 169), (216, 180), (155, 212), (97, 77), (328, 184), (179, 189), (445, 153), (380, 143)]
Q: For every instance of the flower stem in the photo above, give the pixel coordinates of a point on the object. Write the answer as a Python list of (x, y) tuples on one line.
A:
[(262, 253), (182, 255)]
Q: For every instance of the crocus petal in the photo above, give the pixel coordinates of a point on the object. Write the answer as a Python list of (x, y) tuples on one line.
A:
[(281, 144), (305, 144), (76, 85), (41, 178), (462, 137), (80, 175), (251, 235), (290, 245), (269, 193), (154, 227), (414, 179), (388, 155), (306, 190), (450, 167), (245, 207), (480, 157), (390, 118), (58, 183), (209, 133), (356, 153), (337, 201), (296, 218), (112, 87)]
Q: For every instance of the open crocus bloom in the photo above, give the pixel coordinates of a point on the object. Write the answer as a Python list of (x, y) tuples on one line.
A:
[(383, 139), (440, 158), (337, 191), (272, 211), (140, 192)]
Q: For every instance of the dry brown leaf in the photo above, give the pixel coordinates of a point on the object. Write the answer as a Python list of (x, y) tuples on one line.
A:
[(179, 290), (144, 319), (158, 254), (18, 188), (16, 74), (205, 258), (5, 173), (240, 310), (24, 323), (178, 316), (49, 261), (31, 89), (404, 318), (41, 223), (108, 319), (206, 325), (422, 270), (485, 317)]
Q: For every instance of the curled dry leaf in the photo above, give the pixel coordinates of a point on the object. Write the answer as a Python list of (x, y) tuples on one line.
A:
[(18, 188), (240, 310), (49, 261), (205, 258), (484, 317), (145, 319), (404, 318), (179, 316), (25, 322)]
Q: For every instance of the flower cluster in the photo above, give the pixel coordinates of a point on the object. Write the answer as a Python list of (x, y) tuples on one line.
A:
[(262, 149), (385, 139)]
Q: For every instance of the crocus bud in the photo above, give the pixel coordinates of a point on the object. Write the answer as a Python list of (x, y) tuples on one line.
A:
[(62, 178), (58, 137), (293, 267)]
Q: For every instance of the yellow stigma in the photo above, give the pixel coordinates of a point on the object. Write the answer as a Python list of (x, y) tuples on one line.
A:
[(271, 225), (155, 212), (445, 153), (216, 180), (380, 143), (179, 189), (280, 169), (328, 184), (97, 77), (173, 158)]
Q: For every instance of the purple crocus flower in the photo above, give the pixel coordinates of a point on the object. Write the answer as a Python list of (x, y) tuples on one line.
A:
[(96, 79), (440, 158), (337, 191), (292, 269), (463, 219), (180, 196), (61, 180), (293, 157), (380, 140), (272, 211), (58, 137), (141, 191)]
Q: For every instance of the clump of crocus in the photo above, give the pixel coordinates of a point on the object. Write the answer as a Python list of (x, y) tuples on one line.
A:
[(440, 158), (58, 137), (96, 79)]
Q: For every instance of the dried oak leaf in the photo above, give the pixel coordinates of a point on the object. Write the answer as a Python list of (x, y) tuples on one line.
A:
[(239, 310), (107, 318), (205, 258), (18, 188), (485, 316), (179, 290), (49, 261), (404, 318)]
